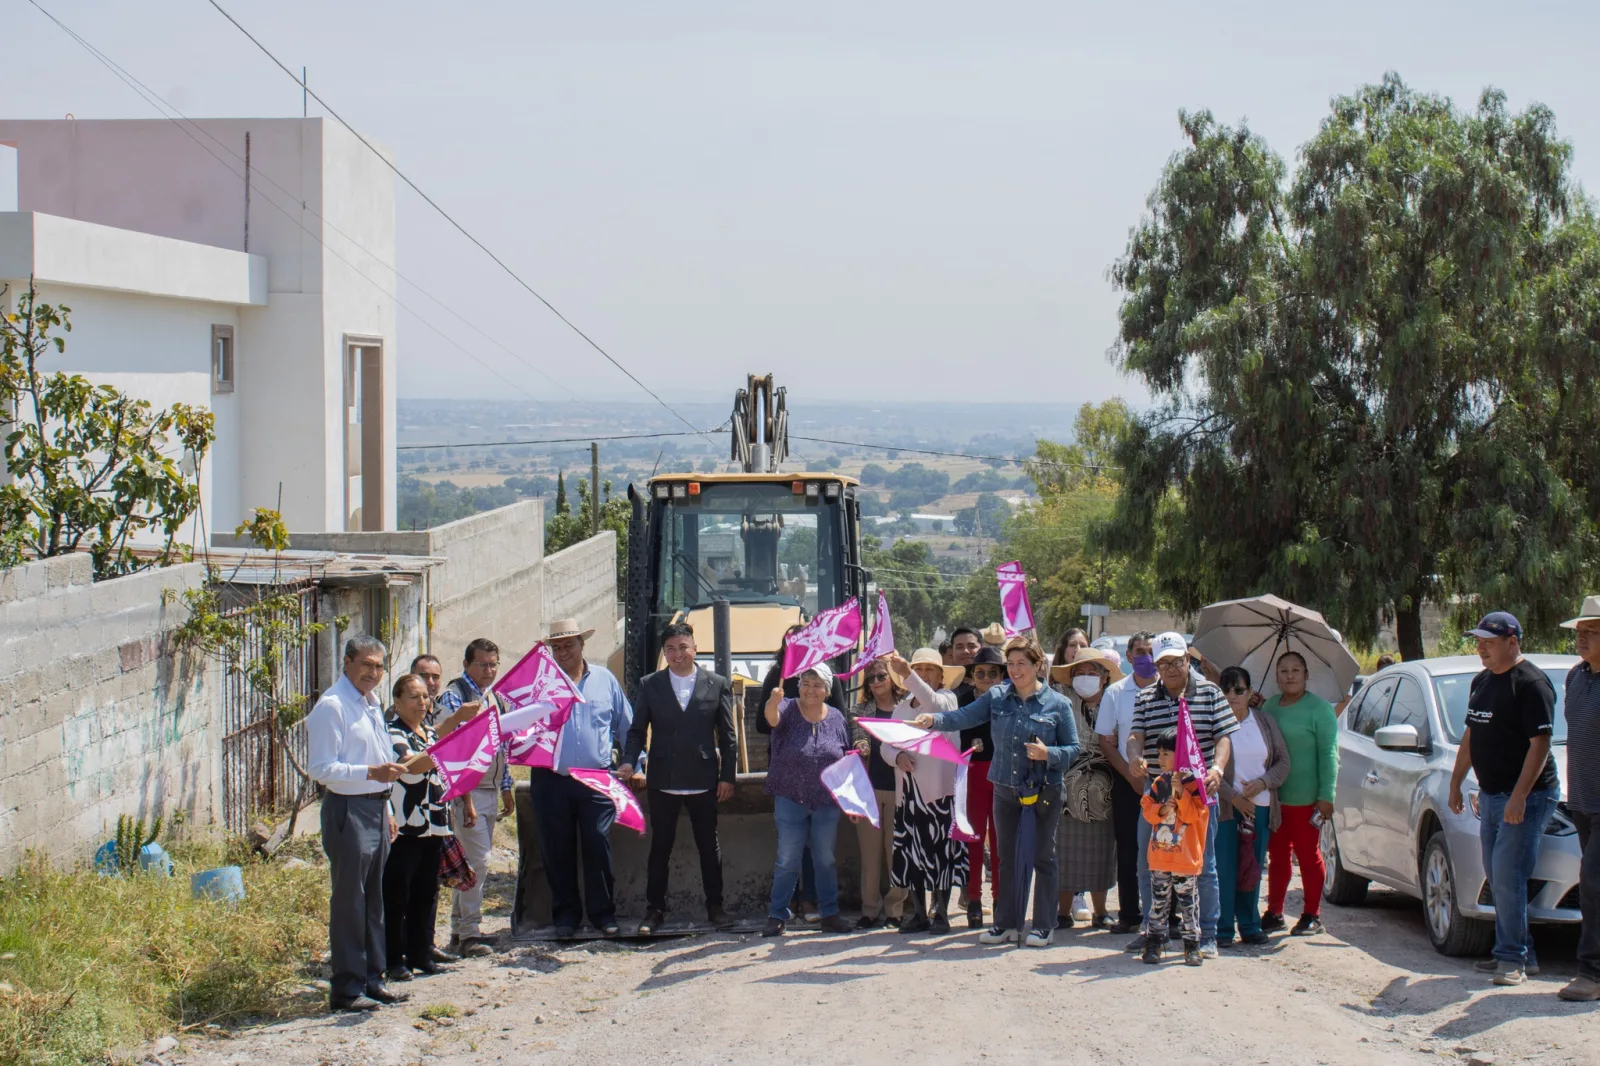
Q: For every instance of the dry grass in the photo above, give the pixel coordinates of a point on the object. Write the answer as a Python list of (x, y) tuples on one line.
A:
[(96, 963)]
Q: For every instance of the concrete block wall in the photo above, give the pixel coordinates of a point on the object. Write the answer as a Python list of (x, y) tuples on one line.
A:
[(490, 584), (581, 583), (97, 717)]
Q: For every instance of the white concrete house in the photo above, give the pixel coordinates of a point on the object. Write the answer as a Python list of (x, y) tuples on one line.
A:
[(264, 293)]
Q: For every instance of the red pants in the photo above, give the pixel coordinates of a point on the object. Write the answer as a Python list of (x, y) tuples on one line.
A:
[(1305, 839), (980, 811)]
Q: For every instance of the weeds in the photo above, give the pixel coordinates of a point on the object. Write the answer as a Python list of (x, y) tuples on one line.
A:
[(91, 963), (434, 1011)]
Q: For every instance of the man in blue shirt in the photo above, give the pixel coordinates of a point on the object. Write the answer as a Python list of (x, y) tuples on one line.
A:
[(567, 810)]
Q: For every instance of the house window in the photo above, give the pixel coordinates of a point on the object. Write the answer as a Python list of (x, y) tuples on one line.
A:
[(221, 358)]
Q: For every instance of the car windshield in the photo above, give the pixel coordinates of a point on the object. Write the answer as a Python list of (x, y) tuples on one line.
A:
[(1453, 689)]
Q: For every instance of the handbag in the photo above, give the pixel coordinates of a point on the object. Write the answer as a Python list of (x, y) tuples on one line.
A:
[(1249, 874), (454, 870)]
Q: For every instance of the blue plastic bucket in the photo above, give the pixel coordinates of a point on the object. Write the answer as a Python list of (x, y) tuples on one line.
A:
[(225, 884), (153, 858)]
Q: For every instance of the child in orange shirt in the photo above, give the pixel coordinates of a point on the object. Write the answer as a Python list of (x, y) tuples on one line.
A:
[(1179, 818)]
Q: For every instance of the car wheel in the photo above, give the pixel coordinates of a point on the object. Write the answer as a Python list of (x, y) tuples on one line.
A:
[(1339, 886), (1452, 933)]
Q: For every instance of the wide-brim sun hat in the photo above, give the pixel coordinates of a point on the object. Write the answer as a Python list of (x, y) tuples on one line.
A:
[(562, 628), (1107, 660), (1589, 612), (953, 675), (994, 633)]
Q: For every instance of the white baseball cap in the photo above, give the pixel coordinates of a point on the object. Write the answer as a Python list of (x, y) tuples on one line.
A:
[(824, 674), (1167, 645)]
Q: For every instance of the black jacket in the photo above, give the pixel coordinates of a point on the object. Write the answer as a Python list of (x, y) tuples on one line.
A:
[(685, 742)]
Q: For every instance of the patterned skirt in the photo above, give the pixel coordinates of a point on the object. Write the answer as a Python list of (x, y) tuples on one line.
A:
[(926, 857)]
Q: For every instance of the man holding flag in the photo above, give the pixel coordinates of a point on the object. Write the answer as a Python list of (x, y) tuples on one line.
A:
[(569, 811), (1180, 700)]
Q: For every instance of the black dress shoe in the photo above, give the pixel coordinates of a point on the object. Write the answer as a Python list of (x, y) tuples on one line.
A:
[(441, 955), (383, 995), (1125, 925), (774, 927), (430, 969), (914, 923), (398, 973), (939, 925), (719, 917), (352, 1004), (652, 920), (835, 923), (868, 922), (610, 929)]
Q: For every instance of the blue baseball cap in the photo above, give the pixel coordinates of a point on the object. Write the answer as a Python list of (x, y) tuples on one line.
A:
[(1497, 624)]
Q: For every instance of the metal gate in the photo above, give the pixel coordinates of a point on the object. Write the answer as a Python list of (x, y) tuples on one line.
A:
[(259, 774)]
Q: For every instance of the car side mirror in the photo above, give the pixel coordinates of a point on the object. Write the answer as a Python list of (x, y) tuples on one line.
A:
[(1398, 738)]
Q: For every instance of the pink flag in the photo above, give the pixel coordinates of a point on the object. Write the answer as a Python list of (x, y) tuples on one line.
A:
[(852, 789), (961, 825), (880, 643), (606, 783), (465, 755), (1189, 756), (832, 632), (538, 698), (1016, 613), (909, 738)]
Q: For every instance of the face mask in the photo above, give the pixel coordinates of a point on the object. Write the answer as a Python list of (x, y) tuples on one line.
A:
[(1086, 685), (1144, 665)]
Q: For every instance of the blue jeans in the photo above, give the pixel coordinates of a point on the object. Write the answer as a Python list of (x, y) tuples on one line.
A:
[(799, 827), (1236, 903), (1210, 900), (1509, 855)]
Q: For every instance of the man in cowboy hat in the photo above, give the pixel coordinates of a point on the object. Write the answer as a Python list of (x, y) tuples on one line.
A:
[(1583, 793), (568, 811)]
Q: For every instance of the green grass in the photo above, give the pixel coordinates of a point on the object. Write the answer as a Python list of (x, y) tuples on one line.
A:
[(98, 963), (434, 1011)]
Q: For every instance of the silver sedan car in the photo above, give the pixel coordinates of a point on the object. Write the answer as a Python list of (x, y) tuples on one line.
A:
[(1392, 823)]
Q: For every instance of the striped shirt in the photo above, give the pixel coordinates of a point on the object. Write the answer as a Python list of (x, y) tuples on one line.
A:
[(1155, 712), (1583, 739)]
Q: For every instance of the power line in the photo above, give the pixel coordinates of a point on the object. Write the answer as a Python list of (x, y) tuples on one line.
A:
[(555, 440), (450, 219), (150, 97), (955, 455)]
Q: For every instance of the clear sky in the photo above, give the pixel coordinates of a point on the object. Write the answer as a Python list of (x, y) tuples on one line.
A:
[(871, 199)]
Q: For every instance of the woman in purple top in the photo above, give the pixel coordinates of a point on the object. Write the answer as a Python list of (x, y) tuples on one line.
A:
[(807, 735)]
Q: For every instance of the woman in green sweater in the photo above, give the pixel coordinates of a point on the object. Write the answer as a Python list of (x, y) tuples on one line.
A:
[(1310, 728)]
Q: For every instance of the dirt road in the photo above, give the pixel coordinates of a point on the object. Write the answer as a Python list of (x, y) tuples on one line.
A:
[(1370, 991)]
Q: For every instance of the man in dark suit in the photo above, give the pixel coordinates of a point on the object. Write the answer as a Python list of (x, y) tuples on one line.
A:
[(688, 712)]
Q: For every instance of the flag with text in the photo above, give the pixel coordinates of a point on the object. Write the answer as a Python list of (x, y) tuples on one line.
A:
[(466, 754), (1016, 613), (832, 632)]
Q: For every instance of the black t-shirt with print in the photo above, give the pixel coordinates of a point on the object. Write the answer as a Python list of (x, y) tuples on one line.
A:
[(1504, 712)]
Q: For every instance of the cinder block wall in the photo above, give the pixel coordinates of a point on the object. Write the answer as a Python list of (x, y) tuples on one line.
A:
[(490, 584), (96, 718), (581, 583)]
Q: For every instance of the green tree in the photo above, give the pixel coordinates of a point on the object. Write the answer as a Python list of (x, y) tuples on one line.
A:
[(561, 493), (567, 527), (1357, 397), (90, 467), (919, 597)]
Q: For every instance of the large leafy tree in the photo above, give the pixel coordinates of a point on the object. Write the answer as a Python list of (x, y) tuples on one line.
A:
[(1365, 370)]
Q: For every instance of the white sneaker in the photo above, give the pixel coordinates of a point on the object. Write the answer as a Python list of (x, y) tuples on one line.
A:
[(997, 935), (1039, 938), (1080, 909)]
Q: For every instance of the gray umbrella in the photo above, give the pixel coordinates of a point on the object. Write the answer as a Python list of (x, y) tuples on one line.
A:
[(1253, 632)]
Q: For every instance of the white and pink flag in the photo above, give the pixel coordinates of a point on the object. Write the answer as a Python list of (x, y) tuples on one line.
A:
[(538, 697), (852, 789), (832, 632), (880, 643), (466, 754), (909, 738), (1016, 613), (629, 813), (1190, 757), (960, 824)]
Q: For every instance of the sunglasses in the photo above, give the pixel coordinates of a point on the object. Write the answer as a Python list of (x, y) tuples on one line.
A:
[(993, 673), (873, 679), (1238, 690)]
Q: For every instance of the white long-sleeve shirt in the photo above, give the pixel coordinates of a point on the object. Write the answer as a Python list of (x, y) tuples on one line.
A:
[(936, 778), (346, 734)]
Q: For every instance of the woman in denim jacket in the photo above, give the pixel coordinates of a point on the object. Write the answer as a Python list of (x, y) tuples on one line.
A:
[(1028, 722)]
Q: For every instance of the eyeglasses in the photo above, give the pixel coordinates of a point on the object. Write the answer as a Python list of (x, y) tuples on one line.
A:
[(988, 673), (873, 679), (1238, 690)]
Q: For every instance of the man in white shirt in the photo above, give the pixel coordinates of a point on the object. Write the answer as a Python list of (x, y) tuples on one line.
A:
[(687, 712), (350, 753), (1112, 726)]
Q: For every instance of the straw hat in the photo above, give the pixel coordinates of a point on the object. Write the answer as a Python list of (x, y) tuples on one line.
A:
[(562, 628), (953, 675), (994, 633), (1589, 612), (1108, 660)]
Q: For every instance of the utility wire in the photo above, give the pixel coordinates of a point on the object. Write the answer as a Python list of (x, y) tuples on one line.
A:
[(450, 219), (556, 440), (134, 84)]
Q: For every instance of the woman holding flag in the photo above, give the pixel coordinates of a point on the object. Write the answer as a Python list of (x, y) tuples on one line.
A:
[(1035, 739), (926, 857), (411, 874)]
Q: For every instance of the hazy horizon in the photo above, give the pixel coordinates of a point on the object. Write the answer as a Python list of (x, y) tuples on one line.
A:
[(903, 201)]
